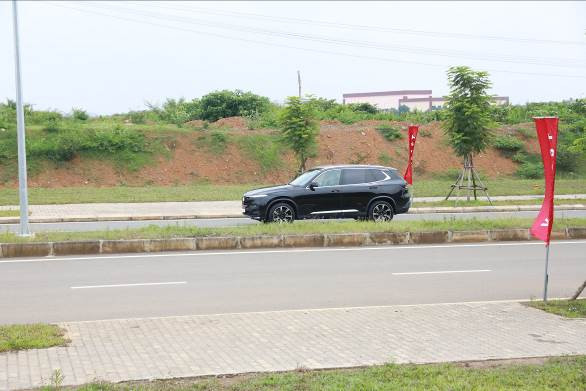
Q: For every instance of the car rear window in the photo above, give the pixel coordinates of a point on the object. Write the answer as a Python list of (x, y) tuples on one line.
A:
[(375, 176), (353, 176)]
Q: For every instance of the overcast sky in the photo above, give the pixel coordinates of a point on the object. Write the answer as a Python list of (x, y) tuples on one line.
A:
[(112, 57)]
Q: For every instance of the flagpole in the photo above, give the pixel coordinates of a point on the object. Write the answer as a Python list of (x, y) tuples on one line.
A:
[(546, 272)]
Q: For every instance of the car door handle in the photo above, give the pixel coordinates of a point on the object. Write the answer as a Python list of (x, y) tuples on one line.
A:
[(335, 191), (373, 187)]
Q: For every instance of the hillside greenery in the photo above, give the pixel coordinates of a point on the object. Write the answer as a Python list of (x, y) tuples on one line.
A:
[(132, 139)]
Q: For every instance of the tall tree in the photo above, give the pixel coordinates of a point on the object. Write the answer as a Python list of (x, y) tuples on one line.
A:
[(299, 129), (468, 123)]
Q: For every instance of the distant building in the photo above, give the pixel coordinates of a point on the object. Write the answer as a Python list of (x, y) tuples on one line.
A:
[(420, 100)]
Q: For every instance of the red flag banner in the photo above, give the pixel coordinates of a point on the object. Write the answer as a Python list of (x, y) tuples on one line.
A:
[(547, 133), (413, 129)]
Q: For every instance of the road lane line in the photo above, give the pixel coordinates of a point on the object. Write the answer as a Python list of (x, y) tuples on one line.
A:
[(440, 272), (290, 251), (129, 285)]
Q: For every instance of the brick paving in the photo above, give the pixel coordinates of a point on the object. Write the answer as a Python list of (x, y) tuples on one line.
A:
[(133, 349)]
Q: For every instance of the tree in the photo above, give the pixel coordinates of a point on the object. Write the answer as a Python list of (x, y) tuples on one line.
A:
[(299, 129), (468, 121)]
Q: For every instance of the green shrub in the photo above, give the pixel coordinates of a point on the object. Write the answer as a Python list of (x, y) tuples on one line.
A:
[(215, 141), (385, 159), (264, 149), (52, 126), (363, 108), (424, 133), (137, 117), (508, 145), (79, 114), (530, 170), (389, 132), (225, 103)]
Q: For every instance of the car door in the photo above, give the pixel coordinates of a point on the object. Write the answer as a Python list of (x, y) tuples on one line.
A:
[(324, 199), (356, 191)]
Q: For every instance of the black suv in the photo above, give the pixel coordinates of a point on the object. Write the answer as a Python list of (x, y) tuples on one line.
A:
[(353, 191)]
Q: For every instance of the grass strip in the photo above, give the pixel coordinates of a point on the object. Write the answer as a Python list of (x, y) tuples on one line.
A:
[(554, 374), (30, 336), (480, 202), (567, 308), (298, 227), (9, 213), (211, 192)]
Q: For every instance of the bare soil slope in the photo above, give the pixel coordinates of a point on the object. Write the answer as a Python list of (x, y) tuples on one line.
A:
[(188, 162)]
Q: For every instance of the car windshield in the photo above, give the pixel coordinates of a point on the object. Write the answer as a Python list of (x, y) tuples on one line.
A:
[(302, 179)]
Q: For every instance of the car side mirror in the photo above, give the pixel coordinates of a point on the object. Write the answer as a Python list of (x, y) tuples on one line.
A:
[(313, 185)]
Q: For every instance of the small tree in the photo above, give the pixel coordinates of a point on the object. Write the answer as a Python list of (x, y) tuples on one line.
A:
[(468, 122), (299, 129)]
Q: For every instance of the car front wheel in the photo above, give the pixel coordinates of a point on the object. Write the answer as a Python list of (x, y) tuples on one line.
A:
[(281, 212), (381, 211)]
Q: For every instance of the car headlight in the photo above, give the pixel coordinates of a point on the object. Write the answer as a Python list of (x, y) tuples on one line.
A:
[(257, 196)]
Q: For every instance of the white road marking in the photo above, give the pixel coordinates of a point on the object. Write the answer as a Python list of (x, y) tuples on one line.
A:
[(290, 251), (440, 272), (127, 285)]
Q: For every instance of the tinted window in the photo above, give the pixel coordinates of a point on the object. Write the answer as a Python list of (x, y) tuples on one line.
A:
[(354, 176), (302, 179), (375, 176), (328, 178)]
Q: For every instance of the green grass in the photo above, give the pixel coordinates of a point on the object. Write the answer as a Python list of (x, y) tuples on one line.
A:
[(567, 308), (299, 227), (264, 149), (30, 336), (554, 374), (211, 192), (9, 213), (500, 186)]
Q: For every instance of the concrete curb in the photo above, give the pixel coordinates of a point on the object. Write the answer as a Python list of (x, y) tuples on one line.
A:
[(446, 209), (10, 250)]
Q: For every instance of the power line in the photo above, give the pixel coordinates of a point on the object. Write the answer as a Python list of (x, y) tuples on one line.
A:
[(265, 43), (338, 25), (555, 62)]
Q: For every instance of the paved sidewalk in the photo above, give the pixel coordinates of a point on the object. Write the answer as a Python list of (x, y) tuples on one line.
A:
[(133, 349), (228, 209)]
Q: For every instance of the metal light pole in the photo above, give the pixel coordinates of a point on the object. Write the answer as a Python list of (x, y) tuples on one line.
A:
[(22, 177)]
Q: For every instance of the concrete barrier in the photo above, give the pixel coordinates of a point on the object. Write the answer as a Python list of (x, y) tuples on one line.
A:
[(577, 233), (75, 248), (313, 240), (8, 250), (342, 240), (388, 238), (217, 243), (506, 235), (469, 236), (264, 241), (124, 246), (173, 244), (429, 237)]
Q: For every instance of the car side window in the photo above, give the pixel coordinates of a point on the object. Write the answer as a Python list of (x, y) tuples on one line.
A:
[(354, 176), (375, 175), (328, 178)]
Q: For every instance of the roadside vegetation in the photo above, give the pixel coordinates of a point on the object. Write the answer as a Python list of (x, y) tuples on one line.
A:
[(567, 308), (566, 373), (233, 192), (30, 336), (298, 227)]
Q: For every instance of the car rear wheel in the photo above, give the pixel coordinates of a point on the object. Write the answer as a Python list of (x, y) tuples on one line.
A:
[(281, 212), (380, 211)]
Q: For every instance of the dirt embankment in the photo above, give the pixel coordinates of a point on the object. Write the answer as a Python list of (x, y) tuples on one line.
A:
[(189, 162)]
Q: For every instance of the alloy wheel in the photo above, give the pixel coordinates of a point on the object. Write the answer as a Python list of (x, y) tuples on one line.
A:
[(282, 214), (382, 212)]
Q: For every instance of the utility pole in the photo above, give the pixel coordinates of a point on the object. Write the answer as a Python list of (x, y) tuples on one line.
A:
[(22, 177), (299, 82)]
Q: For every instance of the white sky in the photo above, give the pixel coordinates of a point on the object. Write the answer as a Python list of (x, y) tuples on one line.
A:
[(109, 64)]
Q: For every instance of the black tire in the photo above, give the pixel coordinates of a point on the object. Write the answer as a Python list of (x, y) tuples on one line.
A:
[(281, 212), (381, 211)]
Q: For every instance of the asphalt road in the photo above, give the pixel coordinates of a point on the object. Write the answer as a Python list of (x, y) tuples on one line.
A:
[(146, 285), (230, 222)]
